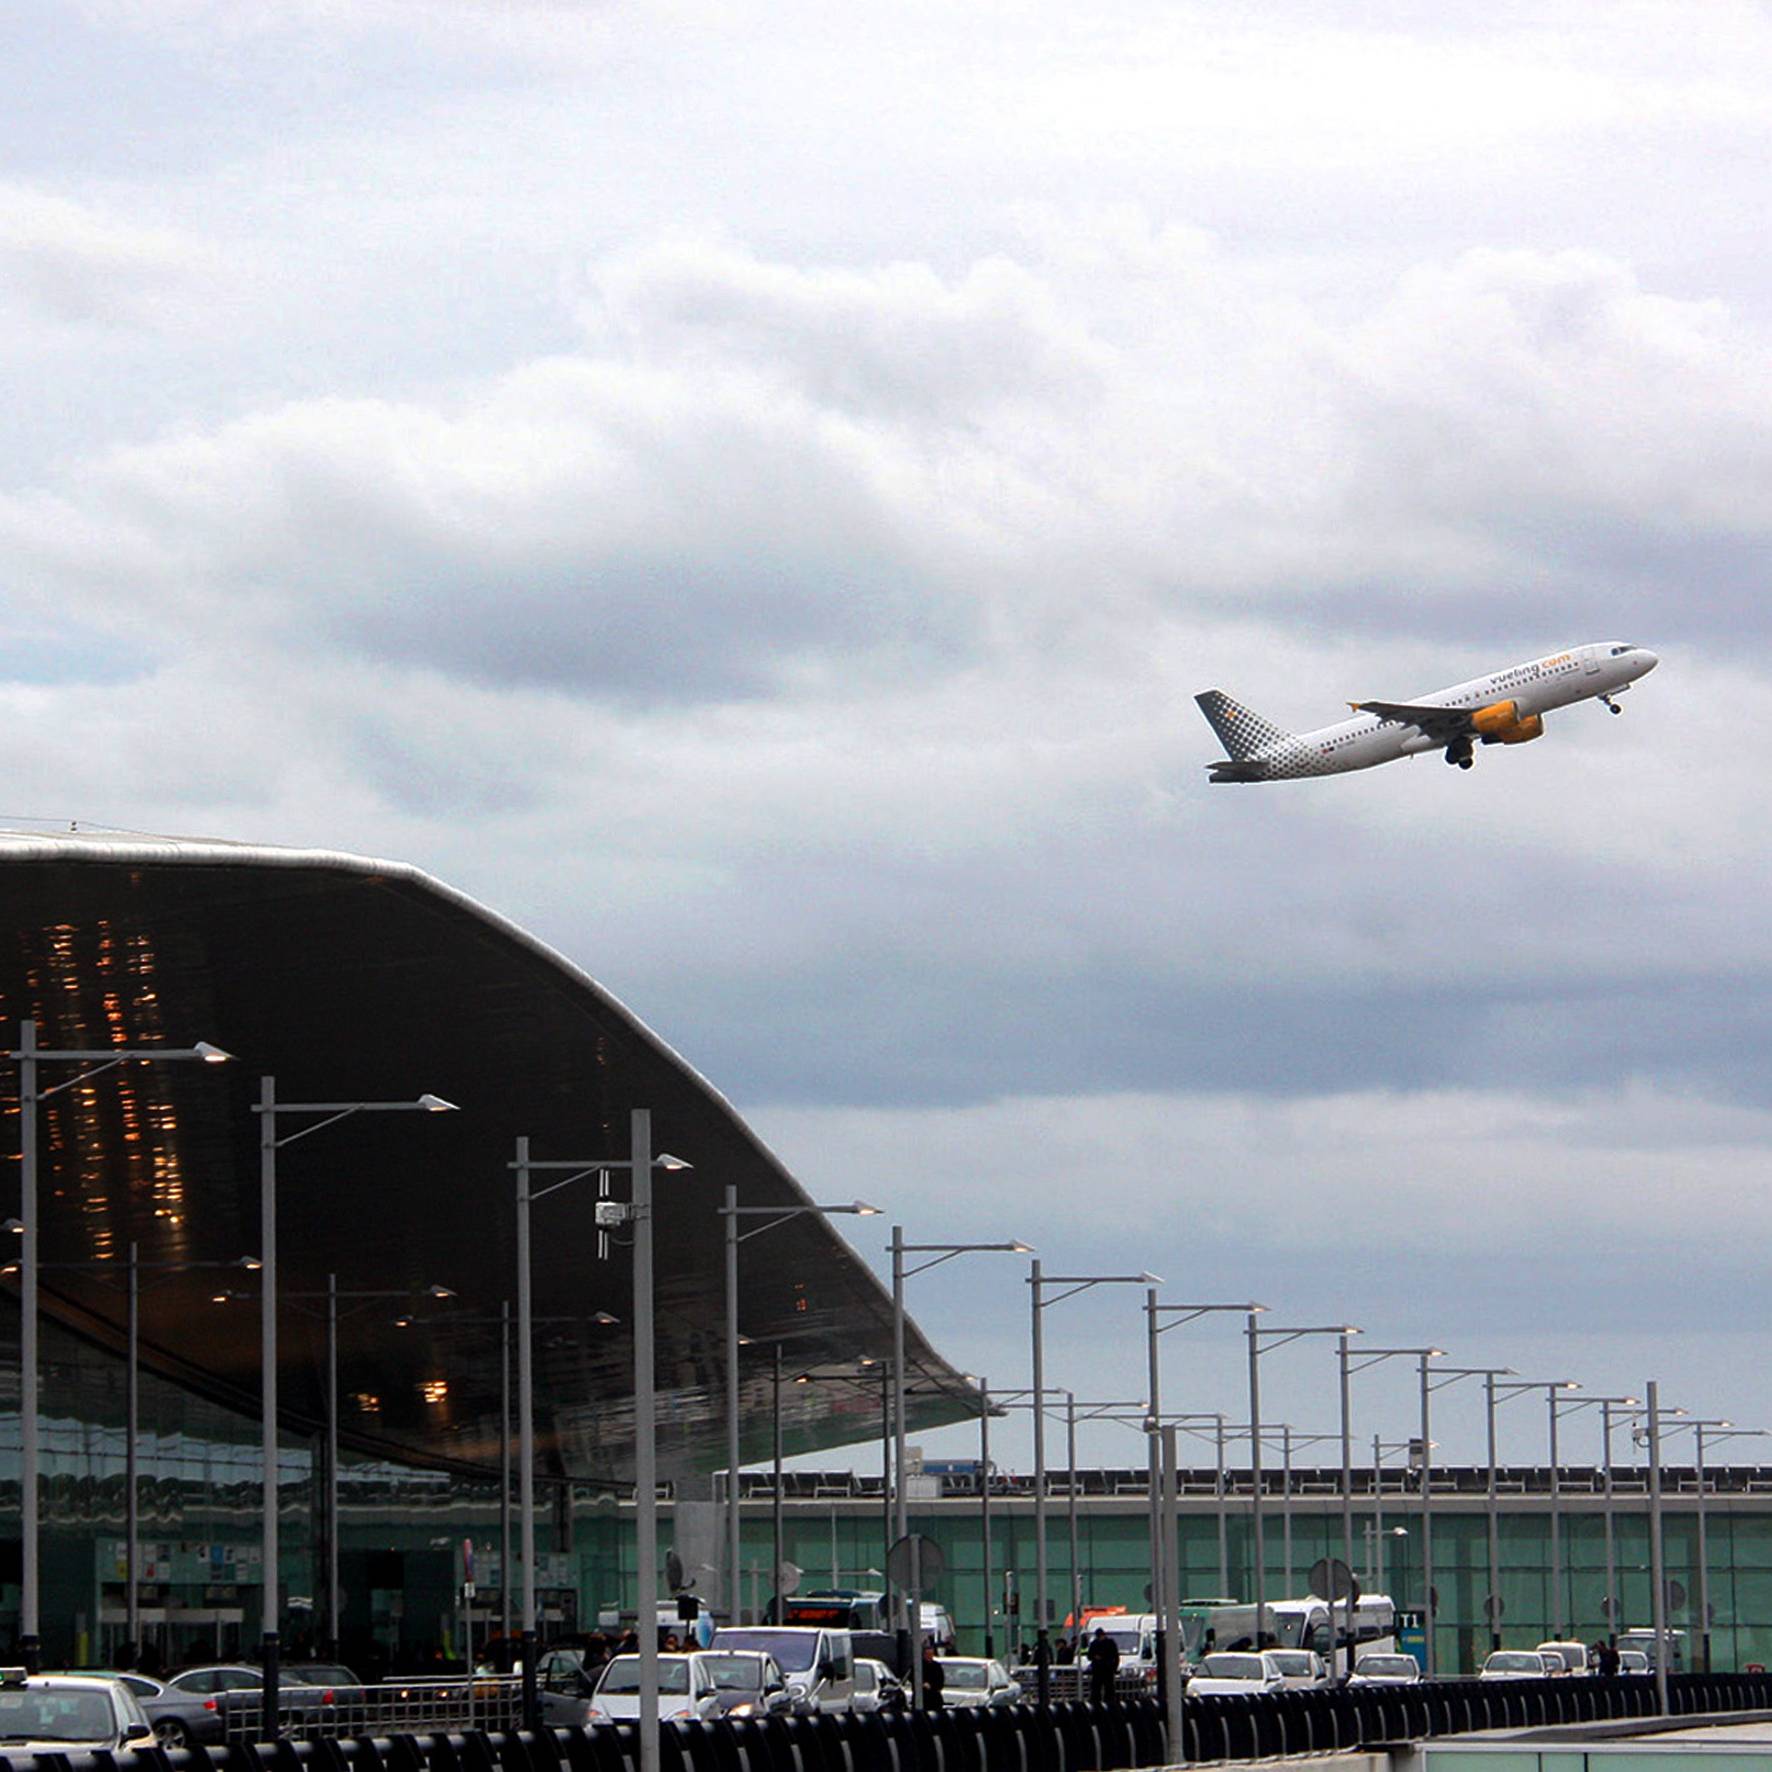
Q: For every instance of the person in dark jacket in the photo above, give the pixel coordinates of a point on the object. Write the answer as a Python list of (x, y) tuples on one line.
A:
[(935, 1679), (1104, 1664)]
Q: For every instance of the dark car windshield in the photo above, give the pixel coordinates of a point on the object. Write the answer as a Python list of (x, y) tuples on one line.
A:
[(793, 1649), (735, 1673)]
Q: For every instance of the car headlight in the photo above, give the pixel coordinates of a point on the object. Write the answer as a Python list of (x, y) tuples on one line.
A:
[(742, 1710)]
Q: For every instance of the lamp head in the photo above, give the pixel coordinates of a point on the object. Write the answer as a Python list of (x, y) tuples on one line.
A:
[(15, 1225), (604, 1320), (402, 1322), (1570, 1384), (862, 1209), (1630, 1402), (1436, 1353), (435, 1104), (1020, 1248), (251, 1263), (664, 1160), (212, 1054), (439, 1292)]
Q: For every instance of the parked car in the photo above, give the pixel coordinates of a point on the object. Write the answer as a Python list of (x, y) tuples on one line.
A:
[(1515, 1664), (1300, 1667), (877, 1687), (1233, 1670), (62, 1713), (970, 1682), (685, 1690), (1386, 1670), (1554, 1662), (237, 1686), (747, 1682), (1633, 1661)]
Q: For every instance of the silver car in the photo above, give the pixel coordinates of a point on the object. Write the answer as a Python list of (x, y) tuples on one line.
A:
[(63, 1713)]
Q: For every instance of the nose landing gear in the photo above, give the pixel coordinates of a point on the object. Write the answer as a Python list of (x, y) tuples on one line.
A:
[(1459, 752), (1611, 704)]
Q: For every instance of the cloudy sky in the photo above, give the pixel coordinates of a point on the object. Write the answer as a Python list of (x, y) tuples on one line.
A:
[(750, 491)]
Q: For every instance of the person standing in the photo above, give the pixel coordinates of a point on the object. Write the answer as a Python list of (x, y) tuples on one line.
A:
[(1104, 1666), (935, 1679)]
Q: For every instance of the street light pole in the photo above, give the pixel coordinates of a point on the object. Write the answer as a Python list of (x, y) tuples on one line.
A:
[(984, 1506), (1073, 1284), (637, 1212), (1657, 1561), (936, 1254), (1178, 1314), (28, 1056), (731, 1212), (329, 1113), (1725, 1430), (1275, 1338)]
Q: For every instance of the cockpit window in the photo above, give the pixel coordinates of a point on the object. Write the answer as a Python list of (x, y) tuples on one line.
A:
[(1620, 651)]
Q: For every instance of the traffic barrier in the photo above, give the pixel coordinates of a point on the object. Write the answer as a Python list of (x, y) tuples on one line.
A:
[(1070, 1737)]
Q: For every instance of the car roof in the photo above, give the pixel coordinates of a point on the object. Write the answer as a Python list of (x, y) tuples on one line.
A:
[(68, 1682)]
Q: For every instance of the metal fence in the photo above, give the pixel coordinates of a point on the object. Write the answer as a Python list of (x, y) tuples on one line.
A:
[(1017, 1738), (446, 1706)]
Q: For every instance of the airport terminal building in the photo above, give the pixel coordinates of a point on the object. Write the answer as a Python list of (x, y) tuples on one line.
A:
[(353, 980)]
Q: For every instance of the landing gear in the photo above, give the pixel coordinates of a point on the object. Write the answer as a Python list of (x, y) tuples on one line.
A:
[(1459, 752), (1611, 704)]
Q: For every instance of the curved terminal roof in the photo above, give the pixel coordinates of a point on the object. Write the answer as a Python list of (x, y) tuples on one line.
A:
[(352, 979)]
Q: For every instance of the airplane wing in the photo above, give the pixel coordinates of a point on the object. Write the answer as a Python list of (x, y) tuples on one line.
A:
[(1438, 723)]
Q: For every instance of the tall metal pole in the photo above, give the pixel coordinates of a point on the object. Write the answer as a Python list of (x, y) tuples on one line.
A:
[(504, 1467), (132, 1610), (1224, 1524), (1657, 1561), (526, 1440), (1171, 1585), (1556, 1524), (984, 1507), (913, 1606), (1042, 1632), (1427, 1522), (1154, 1467), (1347, 1502), (1286, 1503), (1070, 1416), (777, 1518), (30, 1644), (1493, 1509), (732, 1451), (332, 1464), (645, 1438), (1372, 1570), (886, 1533), (267, 1213), (1703, 1557), (1614, 1611), (1257, 1549)]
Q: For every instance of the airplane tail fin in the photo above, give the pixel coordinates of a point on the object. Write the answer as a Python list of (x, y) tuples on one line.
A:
[(1242, 733)]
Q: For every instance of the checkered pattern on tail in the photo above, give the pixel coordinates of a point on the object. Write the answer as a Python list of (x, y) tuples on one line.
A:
[(1242, 733)]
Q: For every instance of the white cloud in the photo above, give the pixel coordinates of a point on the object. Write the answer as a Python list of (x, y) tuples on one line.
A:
[(69, 264)]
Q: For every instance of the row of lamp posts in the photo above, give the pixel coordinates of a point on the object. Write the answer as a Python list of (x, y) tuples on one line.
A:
[(1500, 1385)]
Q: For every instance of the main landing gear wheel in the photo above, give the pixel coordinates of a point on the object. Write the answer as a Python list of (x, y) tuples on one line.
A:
[(1460, 754)]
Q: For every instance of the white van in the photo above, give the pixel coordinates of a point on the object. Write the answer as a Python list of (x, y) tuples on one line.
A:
[(938, 1626), (819, 1664), (1575, 1656)]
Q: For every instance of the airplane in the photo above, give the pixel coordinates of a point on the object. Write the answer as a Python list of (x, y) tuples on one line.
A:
[(1506, 708)]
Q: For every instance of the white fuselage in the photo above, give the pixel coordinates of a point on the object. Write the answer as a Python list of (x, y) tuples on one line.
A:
[(1536, 688)]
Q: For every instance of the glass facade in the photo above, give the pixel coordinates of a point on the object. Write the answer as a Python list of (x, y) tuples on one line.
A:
[(402, 1531)]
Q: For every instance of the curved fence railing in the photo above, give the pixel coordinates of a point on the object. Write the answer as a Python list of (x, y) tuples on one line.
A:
[(1016, 1738)]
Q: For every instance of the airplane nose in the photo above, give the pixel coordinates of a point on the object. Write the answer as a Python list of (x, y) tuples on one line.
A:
[(1647, 660)]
